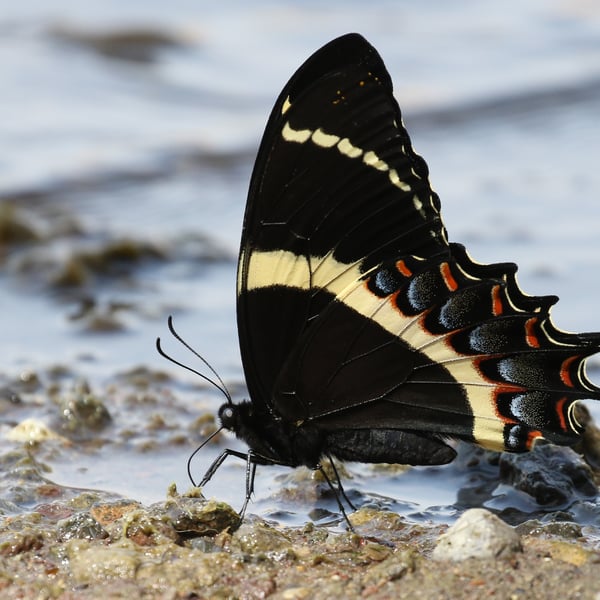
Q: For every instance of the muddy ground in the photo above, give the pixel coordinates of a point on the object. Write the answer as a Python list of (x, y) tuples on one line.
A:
[(64, 542)]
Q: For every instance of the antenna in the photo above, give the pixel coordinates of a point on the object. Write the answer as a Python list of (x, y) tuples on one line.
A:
[(189, 462), (220, 385)]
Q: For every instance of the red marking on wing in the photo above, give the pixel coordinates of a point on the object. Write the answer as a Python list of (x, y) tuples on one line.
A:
[(530, 335), (561, 413), (565, 373), (401, 266), (497, 306), (531, 437), (448, 277)]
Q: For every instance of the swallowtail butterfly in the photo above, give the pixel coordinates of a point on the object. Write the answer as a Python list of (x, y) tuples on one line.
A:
[(365, 335)]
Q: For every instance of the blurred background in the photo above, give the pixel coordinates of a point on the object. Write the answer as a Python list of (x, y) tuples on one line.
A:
[(127, 137)]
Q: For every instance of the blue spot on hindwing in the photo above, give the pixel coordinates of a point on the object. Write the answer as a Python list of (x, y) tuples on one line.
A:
[(384, 282)]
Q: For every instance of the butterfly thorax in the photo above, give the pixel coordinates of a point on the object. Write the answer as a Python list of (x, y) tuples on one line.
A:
[(271, 439)]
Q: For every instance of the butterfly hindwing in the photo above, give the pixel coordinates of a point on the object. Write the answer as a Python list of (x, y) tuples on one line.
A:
[(441, 351)]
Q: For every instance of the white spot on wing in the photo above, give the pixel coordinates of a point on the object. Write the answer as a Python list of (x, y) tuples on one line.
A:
[(325, 140), (286, 105), (347, 149), (295, 135), (372, 160), (398, 182)]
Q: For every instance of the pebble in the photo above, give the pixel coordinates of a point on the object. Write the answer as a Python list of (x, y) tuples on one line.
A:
[(477, 534), (552, 475), (32, 431)]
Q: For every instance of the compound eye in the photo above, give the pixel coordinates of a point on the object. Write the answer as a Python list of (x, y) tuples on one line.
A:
[(226, 414)]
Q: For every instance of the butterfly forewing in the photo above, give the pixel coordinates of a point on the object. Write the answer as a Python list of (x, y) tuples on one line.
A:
[(336, 190)]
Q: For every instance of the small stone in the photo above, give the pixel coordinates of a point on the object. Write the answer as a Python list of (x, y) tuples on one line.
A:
[(193, 517), (256, 536), (552, 475), (375, 552), (90, 563), (82, 410), (377, 519), (17, 542), (296, 593), (32, 431), (108, 512), (80, 526), (570, 553), (394, 567), (564, 529), (477, 534)]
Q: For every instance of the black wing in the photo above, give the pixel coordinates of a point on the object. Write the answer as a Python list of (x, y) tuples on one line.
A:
[(440, 346), (353, 310), (336, 188)]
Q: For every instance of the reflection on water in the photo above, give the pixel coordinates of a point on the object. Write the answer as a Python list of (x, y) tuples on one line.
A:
[(128, 135)]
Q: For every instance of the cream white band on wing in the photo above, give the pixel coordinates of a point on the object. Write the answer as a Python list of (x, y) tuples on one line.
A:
[(347, 283)]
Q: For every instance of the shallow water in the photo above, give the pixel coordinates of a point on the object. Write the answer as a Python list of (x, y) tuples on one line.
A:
[(153, 139)]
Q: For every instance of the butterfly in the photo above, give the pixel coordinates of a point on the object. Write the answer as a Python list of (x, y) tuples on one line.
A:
[(365, 335)]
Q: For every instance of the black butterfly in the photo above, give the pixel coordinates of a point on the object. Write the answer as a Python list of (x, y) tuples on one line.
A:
[(364, 334)]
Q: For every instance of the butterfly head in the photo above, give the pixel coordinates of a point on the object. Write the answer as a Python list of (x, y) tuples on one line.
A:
[(237, 417), (265, 436), (229, 416)]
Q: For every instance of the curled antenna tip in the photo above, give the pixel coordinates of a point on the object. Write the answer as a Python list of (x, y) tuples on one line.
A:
[(160, 350), (220, 385)]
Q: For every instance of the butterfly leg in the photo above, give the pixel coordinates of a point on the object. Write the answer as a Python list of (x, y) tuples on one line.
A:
[(336, 493), (251, 458), (338, 481), (218, 462), (250, 475)]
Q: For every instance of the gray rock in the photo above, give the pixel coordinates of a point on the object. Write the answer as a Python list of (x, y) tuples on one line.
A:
[(477, 534), (552, 475)]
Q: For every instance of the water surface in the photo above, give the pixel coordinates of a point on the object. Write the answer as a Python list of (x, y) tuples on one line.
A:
[(140, 122)]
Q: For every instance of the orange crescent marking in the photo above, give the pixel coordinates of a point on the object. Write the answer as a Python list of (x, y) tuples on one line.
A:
[(401, 266), (565, 374), (448, 277), (530, 335), (497, 307), (560, 405), (531, 437), (392, 299)]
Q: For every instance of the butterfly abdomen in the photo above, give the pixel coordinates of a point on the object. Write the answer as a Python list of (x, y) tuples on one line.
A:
[(388, 445)]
